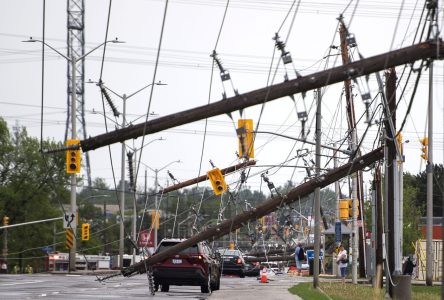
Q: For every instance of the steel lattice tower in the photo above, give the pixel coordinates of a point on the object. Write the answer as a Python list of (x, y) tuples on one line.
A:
[(76, 48)]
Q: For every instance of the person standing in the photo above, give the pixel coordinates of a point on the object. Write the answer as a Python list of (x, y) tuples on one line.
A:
[(300, 257), (342, 261)]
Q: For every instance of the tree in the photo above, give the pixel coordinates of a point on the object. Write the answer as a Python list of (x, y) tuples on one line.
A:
[(33, 187), (412, 211), (421, 184)]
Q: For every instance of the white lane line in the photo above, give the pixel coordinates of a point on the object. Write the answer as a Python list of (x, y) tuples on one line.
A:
[(22, 282)]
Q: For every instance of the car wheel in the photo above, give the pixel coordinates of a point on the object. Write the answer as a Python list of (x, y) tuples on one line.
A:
[(241, 274), (206, 288), (165, 288)]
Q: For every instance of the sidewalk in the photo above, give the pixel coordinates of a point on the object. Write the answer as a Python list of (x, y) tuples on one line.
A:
[(252, 289)]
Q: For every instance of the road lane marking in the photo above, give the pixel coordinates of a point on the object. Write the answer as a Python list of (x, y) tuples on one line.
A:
[(24, 282)]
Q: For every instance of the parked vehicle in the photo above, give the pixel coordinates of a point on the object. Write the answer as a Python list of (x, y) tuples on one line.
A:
[(252, 269), (195, 266), (233, 262)]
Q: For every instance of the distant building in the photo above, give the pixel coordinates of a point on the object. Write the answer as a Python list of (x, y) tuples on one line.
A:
[(437, 228)]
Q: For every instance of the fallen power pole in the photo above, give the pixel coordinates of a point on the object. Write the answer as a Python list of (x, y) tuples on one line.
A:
[(429, 49), (261, 210), (205, 177)]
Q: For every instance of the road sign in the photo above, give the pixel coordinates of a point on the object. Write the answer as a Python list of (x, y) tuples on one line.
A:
[(46, 249), (69, 238), (146, 239), (69, 220), (338, 232)]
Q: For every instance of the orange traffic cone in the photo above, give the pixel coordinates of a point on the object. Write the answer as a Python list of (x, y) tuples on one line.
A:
[(264, 278)]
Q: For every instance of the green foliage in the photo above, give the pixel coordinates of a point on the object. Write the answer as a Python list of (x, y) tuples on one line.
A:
[(421, 184), (339, 291), (412, 214), (32, 185)]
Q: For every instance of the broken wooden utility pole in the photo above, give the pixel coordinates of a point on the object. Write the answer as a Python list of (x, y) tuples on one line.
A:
[(261, 210), (429, 49), (205, 177)]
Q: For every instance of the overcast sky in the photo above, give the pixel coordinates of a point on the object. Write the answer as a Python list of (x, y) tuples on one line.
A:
[(246, 49)]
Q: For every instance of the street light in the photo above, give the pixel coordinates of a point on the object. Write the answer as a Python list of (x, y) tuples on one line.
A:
[(124, 97), (156, 171), (73, 60), (134, 223)]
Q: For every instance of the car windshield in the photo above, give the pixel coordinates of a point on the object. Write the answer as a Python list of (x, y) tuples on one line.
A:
[(166, 245), (227, 252)]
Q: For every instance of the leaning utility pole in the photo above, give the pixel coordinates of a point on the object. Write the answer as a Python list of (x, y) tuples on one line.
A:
[(430, 49), (357, 181), (261, 210)]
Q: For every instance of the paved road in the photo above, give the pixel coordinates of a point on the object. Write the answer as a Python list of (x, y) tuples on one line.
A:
[(82, 287)]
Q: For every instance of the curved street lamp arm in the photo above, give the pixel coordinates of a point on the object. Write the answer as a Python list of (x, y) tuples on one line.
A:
[(31, 40)]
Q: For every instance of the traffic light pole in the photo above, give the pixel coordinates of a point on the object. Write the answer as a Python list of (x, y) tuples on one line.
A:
[(72, 251), (429, 169), (156, 209)]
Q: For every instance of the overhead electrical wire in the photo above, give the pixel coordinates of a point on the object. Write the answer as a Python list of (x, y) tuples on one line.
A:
[(209, 100)]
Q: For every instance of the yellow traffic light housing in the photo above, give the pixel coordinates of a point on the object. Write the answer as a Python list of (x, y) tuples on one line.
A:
[(5, 220), (155, 219), (343, 209), (425, 144), (346, 209), (73, 161), (246, 139), (85, 232), (217, 181)]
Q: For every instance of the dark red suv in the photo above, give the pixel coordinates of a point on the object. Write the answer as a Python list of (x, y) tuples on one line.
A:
[(196, 265)]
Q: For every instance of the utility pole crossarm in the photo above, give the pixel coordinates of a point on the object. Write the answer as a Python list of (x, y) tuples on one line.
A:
[(260, 210), (356, 69)]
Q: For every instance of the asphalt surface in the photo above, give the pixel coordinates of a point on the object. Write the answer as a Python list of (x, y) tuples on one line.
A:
[(64, 286)]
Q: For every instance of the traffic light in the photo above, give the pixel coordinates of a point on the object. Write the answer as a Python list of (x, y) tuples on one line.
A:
[(72, 158), (425, 144), (399, 140), (5, 220), (343, 209), (231, 245), (217, 181), (246, 139), (85, 232), (350, 208), (155, 219), (346, 209)]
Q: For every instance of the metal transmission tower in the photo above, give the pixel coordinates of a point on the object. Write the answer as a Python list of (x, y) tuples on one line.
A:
[(76, 48)]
